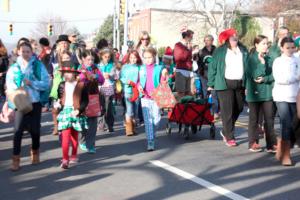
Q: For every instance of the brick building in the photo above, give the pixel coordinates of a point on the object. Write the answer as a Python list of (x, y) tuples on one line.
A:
[(164, 26)]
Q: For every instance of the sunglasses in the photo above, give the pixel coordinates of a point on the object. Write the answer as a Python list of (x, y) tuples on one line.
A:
[(145, 39), (234, 39)]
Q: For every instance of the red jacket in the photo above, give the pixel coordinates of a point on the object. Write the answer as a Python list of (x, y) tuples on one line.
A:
[(183, 57)]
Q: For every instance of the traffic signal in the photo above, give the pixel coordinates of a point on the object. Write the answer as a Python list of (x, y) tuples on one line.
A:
[(122, 11), (50, 30), (10, 29)]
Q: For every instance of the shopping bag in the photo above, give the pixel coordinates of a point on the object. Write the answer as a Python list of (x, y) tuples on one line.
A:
[(163, 96), (7, 114), (93, 109), (153, 108), (21, 100)]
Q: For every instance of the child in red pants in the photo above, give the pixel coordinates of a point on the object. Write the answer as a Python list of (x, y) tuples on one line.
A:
[(73, 100)]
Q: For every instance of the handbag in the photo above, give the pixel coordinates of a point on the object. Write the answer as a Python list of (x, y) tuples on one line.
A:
[(21, 100), (163, 96), (93, 108), (7, 114), (107, 89)]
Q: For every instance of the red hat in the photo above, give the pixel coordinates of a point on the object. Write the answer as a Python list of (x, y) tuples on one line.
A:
[(168, 53), (225, 35)]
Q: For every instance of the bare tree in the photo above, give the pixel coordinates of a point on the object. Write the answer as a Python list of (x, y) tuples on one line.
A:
[(218, 14), (41, 30), (273, 7)]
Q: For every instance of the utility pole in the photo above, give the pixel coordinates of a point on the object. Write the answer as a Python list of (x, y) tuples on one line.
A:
[(115, 25), (126, 26), (6, 5)]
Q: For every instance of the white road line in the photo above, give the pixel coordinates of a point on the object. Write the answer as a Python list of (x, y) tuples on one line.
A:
[(199, 181)]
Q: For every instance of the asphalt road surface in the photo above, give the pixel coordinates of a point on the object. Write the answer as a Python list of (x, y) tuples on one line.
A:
[(199, 168)]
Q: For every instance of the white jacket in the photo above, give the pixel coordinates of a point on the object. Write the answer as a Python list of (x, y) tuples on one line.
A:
[(286, 72)]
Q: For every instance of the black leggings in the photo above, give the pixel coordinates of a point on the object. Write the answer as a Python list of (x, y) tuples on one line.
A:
[(32, 121)]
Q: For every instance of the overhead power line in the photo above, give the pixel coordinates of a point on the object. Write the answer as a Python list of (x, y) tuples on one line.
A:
[(46, 22)]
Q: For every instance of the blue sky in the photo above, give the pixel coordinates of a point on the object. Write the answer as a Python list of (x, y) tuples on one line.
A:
[(31, 10)]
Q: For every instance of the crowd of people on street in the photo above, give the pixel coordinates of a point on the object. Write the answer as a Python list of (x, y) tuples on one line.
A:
[(81, 88)]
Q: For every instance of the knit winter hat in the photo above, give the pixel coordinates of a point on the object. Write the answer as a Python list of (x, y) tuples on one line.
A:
[(207, 59), (297, 40), (225, 35), (168, 53)]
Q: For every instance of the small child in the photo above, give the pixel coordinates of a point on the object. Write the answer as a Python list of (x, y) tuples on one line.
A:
[(92, 78), (169, 66), (129, 78), (151, 75), (107, 67), (57, 79), (73, 100)]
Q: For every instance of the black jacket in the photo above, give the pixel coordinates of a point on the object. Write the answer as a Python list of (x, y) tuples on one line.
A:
[(204, 52)]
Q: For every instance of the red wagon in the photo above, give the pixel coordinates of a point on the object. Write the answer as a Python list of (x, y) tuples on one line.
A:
[(191, 114)]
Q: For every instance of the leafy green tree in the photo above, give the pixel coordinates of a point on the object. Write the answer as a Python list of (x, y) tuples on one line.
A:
[(247, 27), (106, 30)]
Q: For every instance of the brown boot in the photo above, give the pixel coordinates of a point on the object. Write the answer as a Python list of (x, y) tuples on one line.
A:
[(129, 128), (54, 116), (15, 163), (278, 155), (35, 157), (134, 126), (286, 153)]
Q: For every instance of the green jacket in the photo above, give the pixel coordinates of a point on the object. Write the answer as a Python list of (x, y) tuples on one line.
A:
[(216, 69), (258, 92), (57, 79), (274, 52)]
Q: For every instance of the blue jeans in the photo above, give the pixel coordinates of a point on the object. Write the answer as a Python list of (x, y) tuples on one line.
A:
[(131, 108), (286, 112)]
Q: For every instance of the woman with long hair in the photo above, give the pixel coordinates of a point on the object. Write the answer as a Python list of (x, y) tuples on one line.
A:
[(259, 85), (30, 74)]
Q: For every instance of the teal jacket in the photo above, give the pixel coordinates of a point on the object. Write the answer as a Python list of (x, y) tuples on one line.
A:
[(156, 75), (129, 73), (216, 69), (110, 69), (36, 73), (258, 92)]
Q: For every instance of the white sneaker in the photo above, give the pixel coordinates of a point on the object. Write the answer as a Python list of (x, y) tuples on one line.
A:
[(224, 138)]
